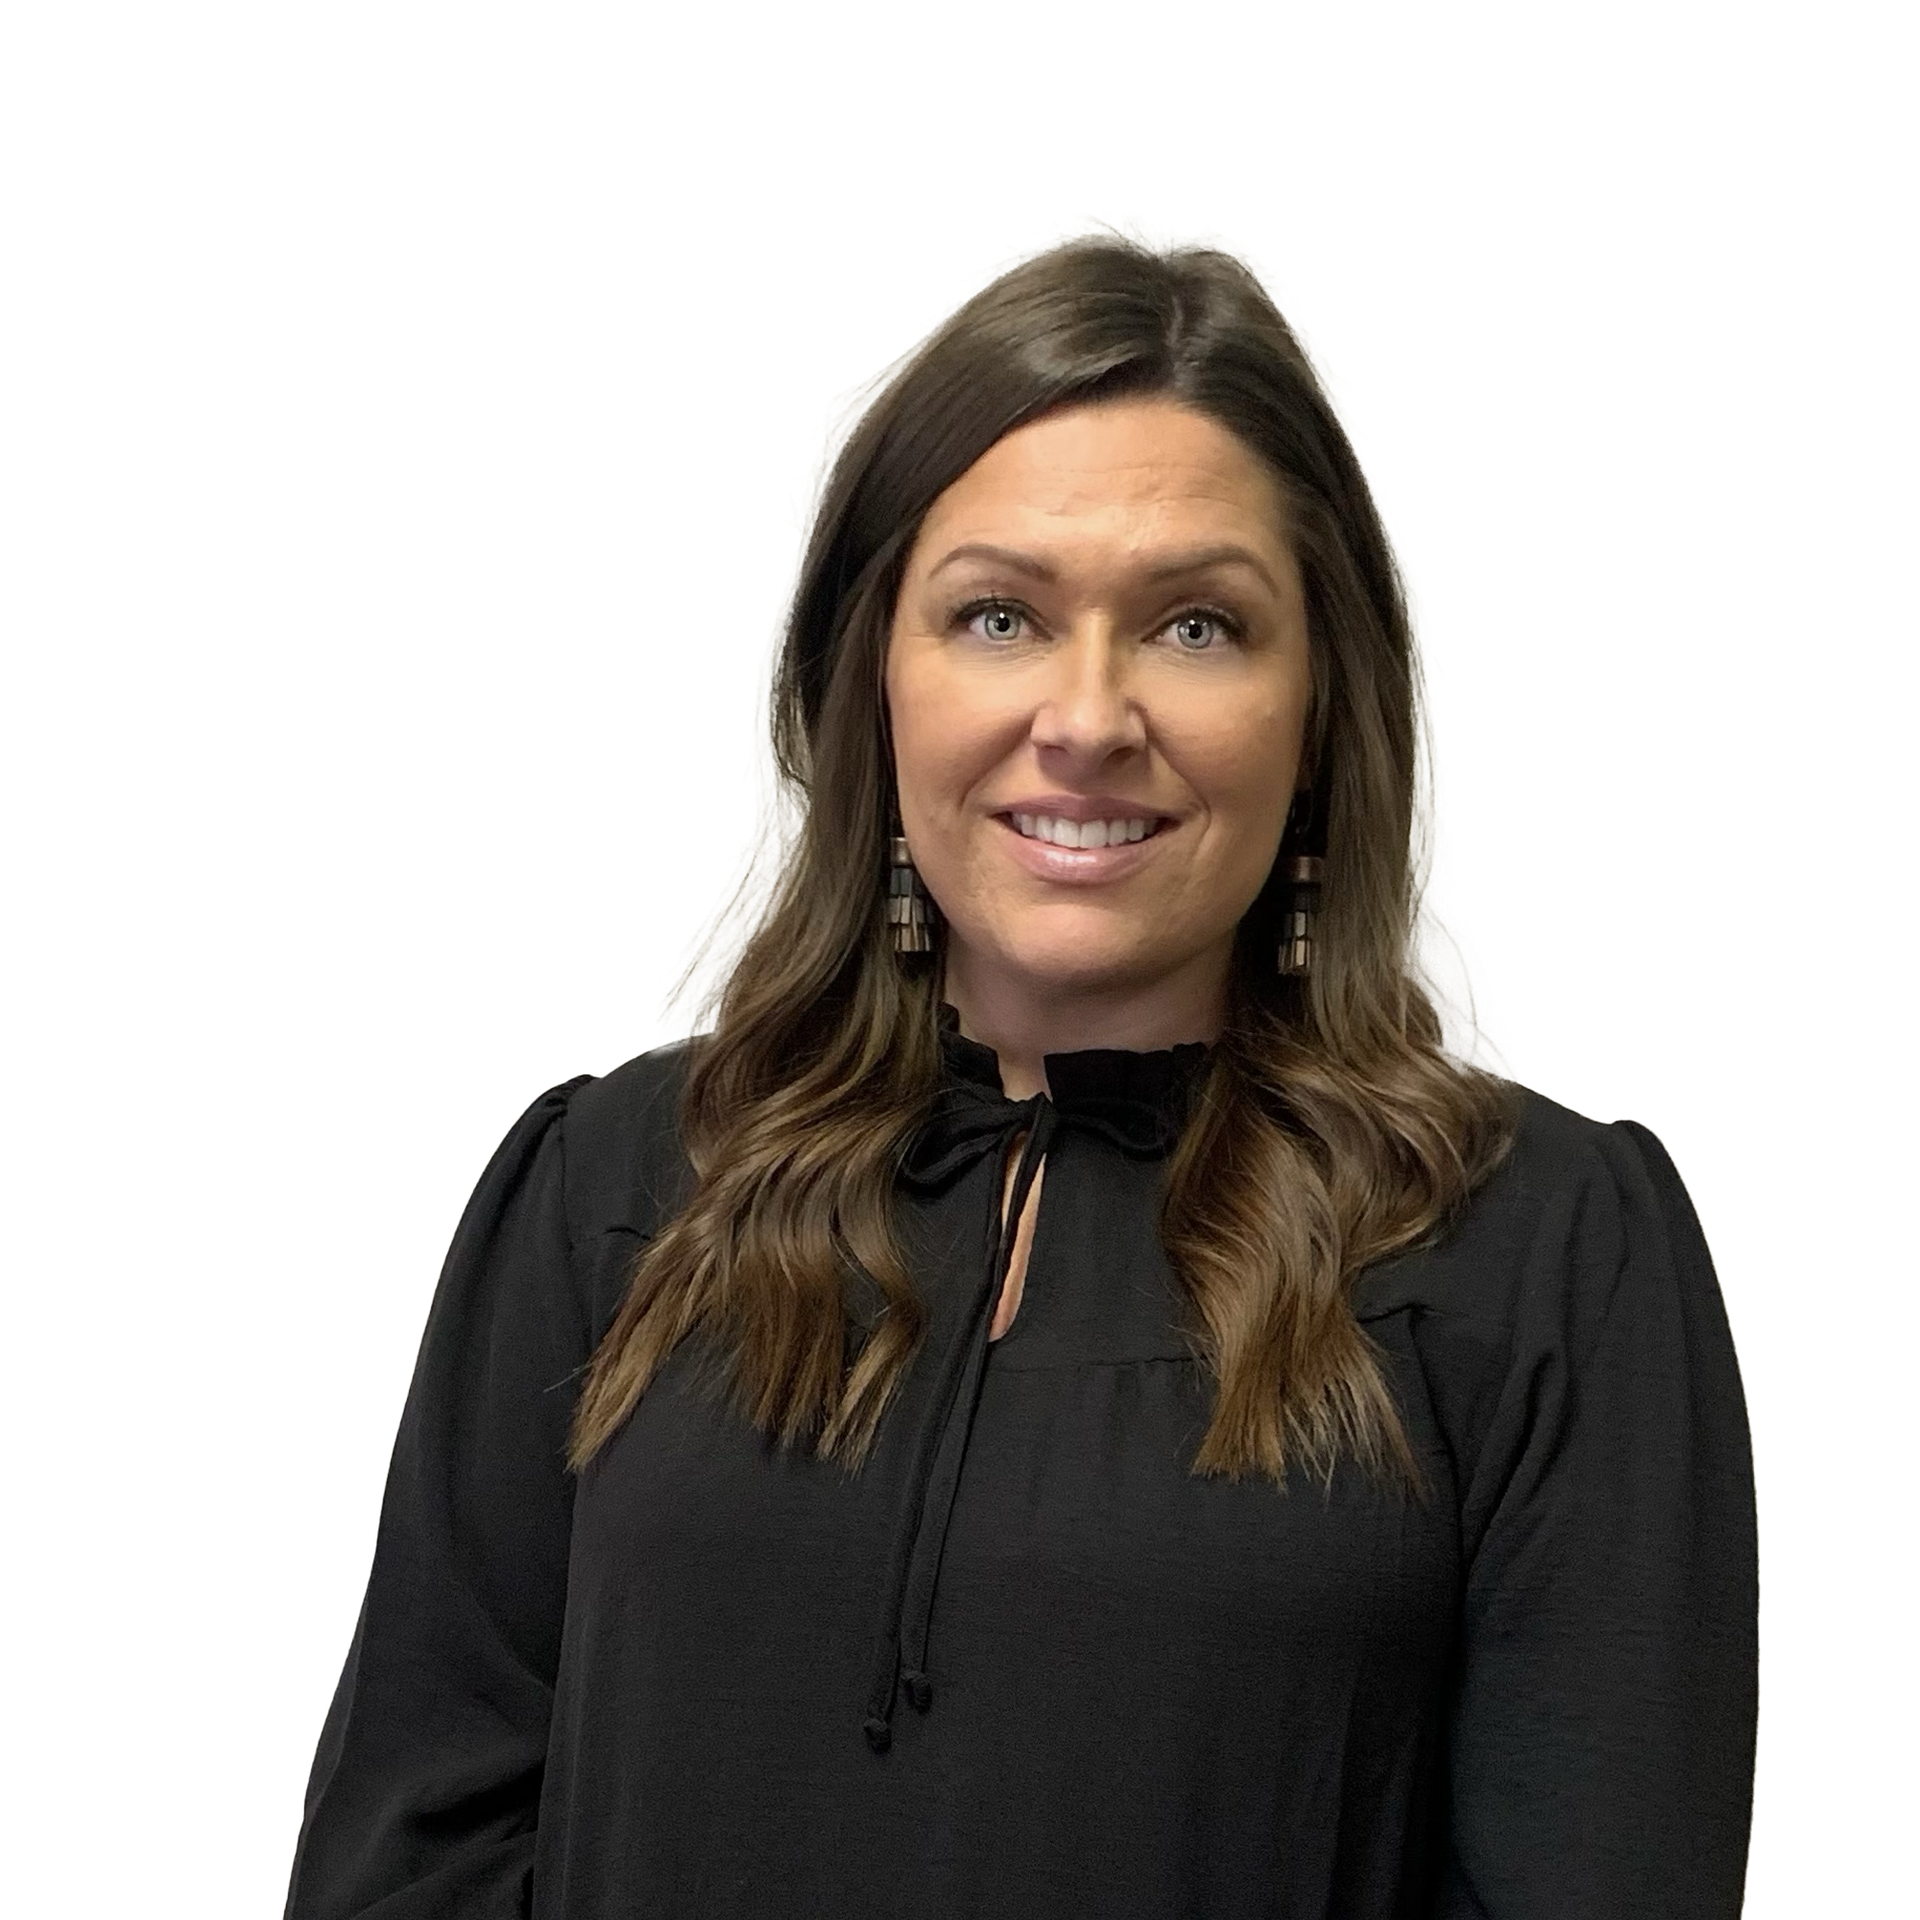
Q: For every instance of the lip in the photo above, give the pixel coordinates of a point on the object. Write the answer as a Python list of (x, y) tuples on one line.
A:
[(1083, 807), (1083, 866)]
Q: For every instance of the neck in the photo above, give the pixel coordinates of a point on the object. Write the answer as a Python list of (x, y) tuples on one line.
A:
[(1022, 1024)]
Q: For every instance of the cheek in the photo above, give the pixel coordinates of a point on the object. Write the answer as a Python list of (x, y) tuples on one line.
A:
[(1248, 823), (912, 707), (1244, 771), (946, 739)]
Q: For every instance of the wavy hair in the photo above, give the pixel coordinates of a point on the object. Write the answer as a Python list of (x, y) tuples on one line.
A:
[(1329, 1129)]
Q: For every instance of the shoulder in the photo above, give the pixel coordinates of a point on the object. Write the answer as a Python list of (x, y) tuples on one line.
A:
[(1576, 1208), (1575, 1277), (638, 1099), (625, 1166)]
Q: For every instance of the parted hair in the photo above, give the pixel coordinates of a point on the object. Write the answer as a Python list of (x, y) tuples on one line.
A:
[(1329, 1128)]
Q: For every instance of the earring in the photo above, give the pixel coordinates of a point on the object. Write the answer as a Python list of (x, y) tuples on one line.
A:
[(909, 909), (1302, 872)]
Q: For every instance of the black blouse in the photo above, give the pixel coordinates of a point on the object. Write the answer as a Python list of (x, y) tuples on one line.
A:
[(1025, 1662)]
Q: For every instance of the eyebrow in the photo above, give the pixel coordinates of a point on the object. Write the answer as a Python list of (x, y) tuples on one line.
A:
[(1198, 561)]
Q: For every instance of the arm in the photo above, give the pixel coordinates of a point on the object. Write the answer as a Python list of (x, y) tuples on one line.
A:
[(1603, 1723), (425, 1787)]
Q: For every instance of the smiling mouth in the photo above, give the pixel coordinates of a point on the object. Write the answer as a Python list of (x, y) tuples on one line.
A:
[(1077, 834), (1154, 828)]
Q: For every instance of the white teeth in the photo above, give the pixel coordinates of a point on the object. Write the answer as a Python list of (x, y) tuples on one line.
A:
[(1081, 833)]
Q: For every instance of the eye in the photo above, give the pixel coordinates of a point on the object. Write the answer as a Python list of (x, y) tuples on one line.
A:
[(1005, 609), (1202, 629), (993, 620)]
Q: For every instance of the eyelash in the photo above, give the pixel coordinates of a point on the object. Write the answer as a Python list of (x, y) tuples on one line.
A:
[(1234, 629)]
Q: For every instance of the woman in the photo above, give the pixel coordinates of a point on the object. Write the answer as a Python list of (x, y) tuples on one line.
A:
[(1067, 1400)]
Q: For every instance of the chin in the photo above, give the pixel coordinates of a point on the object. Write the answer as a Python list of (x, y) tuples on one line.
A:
[(1090, 962)]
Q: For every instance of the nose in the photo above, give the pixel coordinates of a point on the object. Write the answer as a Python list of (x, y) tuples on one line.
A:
[(1089, 707)]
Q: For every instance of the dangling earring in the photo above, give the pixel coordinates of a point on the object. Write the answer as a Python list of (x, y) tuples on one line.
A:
[(909, 909), (1302, 873)]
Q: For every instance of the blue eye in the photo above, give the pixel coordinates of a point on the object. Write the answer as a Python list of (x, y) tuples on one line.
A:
[(1197, 630), (995, 621), (995, 605)]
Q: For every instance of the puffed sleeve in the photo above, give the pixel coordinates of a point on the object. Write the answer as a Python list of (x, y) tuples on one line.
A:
[(1602, 1732), (425, 1787)]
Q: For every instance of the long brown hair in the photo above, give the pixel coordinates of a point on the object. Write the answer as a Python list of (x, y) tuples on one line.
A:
[(1329, 1129)]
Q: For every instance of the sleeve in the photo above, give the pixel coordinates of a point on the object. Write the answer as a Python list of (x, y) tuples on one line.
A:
[(425, 1787), (1602, 1728)]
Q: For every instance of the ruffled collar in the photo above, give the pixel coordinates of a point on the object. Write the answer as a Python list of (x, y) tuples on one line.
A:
[(1137, 1100)]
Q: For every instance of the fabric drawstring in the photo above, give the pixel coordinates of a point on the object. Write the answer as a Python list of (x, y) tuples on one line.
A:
[(905, 1654)]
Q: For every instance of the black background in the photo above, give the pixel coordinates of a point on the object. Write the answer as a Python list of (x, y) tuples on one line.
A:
[(525, 465)]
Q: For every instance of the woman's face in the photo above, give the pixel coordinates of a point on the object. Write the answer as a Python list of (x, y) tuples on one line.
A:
[(1098, 682)]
